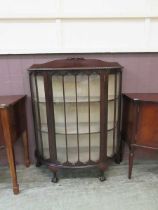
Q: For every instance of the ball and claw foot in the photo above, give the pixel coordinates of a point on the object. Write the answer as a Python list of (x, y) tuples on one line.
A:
[(38, 163), (55, 179), (118, 159), (102, 178)]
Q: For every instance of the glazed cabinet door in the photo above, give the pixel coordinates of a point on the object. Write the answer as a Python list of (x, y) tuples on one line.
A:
[(40, 114), (114, 113), (76, 115), (76, 102)]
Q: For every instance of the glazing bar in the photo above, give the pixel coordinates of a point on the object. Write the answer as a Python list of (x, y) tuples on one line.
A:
[(78, 146), (114, 124), (89, 120), (65, 118), (39, 116)]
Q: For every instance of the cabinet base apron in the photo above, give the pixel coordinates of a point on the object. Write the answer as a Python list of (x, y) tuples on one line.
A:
[(55, 167)]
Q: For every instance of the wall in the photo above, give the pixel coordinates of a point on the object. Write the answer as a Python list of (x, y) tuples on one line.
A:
[(68, 26), (140, 74)]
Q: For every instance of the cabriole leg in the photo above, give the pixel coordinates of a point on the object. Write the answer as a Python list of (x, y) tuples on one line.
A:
[(102, 177), (102, 168), (55, 178), (38, 161)]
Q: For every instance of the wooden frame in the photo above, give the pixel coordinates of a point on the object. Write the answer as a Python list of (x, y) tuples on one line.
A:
[(13, 126), (140, 118), (75, 67)]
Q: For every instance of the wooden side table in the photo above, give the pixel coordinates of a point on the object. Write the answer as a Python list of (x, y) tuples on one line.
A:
[(13, 125), (140, 122)]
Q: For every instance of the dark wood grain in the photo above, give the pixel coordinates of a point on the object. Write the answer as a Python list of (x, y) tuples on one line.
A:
[(72, 63), (148, 97), (9, 100), (140, 122), (76, 66), (13, 125)]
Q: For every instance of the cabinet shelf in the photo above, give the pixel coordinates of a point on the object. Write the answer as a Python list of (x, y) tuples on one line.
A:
[(80, 99), (83, 128), (83, 153)]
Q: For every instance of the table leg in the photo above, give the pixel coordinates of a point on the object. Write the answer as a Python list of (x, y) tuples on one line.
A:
[(131, 155), (6, 124)]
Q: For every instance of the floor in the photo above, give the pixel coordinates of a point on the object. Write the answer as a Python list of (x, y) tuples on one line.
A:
[(82, 193)]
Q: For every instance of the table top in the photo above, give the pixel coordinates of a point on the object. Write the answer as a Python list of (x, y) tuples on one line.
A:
[(6, 101), (146, 97)]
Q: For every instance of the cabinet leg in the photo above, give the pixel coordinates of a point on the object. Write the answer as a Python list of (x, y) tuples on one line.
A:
[(38, 163), (102, 167), (102, 177), (131, 155), (55, 178), (26, 148), (38, 160)]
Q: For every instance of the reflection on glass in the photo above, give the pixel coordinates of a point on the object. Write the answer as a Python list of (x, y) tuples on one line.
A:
[(33, 83), (69, 86), (113, 93), (61, 148), (40, 88), (118, 84), (94, 86), (95, 146), (76, 103), (72, 148), (110, 143), (45, 145), (111, 87), (43, 115), (57, 88), (83, 125), (71, 109), (82, 88), (84, 147), (71, 118), (111, 114), (116, 140)]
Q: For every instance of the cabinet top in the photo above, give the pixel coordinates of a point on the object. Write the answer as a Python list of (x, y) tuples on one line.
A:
[(9, 100), (75, 63), (146, 97)]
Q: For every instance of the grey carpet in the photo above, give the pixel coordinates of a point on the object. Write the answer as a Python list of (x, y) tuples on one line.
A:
[(82, 193)]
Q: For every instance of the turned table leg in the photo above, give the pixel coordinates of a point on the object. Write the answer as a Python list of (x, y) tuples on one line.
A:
[(11, 160), (6, 124), (131, 155)]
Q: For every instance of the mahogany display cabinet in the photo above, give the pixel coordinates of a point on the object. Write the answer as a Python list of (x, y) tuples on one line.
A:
[(76, 106)]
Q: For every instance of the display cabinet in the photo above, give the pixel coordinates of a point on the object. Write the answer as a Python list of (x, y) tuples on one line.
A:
[(76, 105)]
